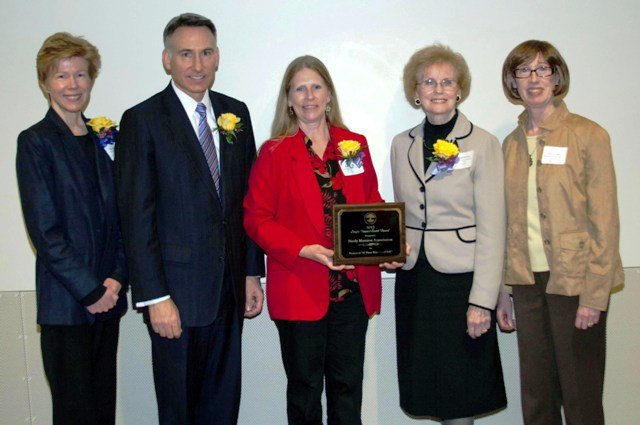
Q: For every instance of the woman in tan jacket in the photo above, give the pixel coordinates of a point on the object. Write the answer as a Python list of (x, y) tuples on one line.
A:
[(562, 241)]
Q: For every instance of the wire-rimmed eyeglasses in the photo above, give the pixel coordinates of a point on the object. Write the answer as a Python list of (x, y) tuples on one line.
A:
[(430, 84)]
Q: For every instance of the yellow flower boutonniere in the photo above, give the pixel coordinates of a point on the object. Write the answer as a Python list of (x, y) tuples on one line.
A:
[(229, 126), (445, 155), (351, 152), (106, 130)]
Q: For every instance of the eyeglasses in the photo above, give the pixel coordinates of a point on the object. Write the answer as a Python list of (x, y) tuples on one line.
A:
[(431, 84), (541, 71)]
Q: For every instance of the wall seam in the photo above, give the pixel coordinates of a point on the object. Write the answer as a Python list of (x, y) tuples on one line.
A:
[(24, 356)]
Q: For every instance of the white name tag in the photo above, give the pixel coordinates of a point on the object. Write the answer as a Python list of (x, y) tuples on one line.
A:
[(110, 149), (556, 155), (465, 160), (351, 169)]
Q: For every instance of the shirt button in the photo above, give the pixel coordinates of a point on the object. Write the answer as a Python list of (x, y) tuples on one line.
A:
[(421, 206), (421, 188), (424, 225), (543, 216), (539, 190)]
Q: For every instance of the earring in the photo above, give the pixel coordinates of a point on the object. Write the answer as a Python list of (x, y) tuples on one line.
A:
[(327, 109), (417, 102), (458, 98), (290, 111)]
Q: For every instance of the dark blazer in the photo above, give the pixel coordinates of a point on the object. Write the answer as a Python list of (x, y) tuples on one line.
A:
[(283, 213), (179, 238), (71, 216)]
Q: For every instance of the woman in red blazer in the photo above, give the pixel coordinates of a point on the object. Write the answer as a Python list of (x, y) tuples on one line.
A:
[(321, 310)]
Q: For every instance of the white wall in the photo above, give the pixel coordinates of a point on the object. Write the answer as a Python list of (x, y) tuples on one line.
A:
[(365, 45)]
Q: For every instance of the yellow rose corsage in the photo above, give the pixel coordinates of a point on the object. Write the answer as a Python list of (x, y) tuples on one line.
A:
[(229, 126), (445, 155)]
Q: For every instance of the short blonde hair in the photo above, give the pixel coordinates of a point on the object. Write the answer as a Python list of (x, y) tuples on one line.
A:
[(527, 51), (430, 55), (285, 125), (63, 45)]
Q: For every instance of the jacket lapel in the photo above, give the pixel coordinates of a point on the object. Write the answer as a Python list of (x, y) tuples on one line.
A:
[(76, 158), (461, 130), (105, 181), (227, 157), (179, 129), (415, 155), (306, 182)]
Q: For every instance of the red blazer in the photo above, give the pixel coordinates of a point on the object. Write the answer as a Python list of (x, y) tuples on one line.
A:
[(283, 213)]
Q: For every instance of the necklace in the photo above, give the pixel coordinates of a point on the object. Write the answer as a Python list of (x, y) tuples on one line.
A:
[(532, 136), (531, 154)]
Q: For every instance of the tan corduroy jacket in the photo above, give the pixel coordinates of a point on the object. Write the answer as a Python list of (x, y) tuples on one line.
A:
[(578, 208)]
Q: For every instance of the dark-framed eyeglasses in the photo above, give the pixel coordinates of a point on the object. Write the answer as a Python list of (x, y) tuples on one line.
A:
[(541, 71)]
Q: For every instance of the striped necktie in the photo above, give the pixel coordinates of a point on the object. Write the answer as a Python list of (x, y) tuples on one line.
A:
[(208, 147)]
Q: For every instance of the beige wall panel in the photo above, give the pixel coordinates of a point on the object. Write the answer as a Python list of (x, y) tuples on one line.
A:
[(14, 393), (264, 383), (39, 391), (622, 376)]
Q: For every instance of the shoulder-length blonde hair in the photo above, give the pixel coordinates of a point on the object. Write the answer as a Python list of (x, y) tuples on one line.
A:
[(285, 125)]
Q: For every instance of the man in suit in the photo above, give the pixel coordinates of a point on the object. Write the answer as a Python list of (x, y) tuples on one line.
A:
[(180, 192)]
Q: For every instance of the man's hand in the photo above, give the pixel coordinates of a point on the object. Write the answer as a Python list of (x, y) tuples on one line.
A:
[(165, 319), (106, 302), (254, 297)]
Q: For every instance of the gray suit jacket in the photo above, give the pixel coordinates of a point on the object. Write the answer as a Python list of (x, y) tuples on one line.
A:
[(459, 217)]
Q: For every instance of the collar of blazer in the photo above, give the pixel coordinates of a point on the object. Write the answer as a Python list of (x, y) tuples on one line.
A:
[(306, 181), (552, 122), (178, 127), (415, 154), (77, 158)]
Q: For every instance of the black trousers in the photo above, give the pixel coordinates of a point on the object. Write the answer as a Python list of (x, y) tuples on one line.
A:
[(80, 365), (197, 376), (330, 349), (560, 365)]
